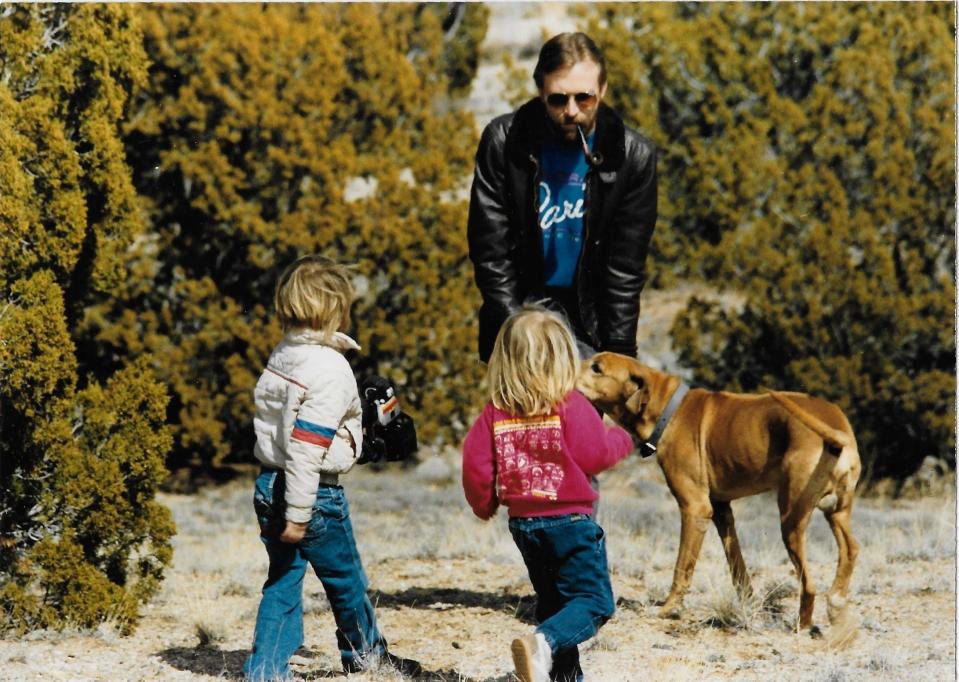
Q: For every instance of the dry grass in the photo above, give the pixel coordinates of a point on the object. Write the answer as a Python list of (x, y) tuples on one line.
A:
[(452, 591)]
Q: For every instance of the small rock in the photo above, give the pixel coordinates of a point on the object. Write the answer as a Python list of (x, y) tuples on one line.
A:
[(932, 478), (441, 606)]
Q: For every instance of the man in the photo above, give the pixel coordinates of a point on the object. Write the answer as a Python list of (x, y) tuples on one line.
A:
[(562, 209), (563, 205)]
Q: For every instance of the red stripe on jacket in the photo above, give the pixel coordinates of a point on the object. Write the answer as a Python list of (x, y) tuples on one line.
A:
[(283, 376), (313, 438)]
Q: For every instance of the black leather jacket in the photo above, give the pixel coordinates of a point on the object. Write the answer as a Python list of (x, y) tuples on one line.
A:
[(505, 241)]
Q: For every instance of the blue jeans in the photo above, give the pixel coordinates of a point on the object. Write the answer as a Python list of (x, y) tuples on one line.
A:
[(566, 559), (329, 547)]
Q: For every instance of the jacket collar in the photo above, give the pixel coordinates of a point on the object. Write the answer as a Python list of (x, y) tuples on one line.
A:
[(338, 341), (529, 130)]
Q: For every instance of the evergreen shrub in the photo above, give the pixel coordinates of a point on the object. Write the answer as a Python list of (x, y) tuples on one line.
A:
[(82, 538)]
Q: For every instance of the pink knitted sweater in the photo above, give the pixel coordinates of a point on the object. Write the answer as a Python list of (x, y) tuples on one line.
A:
[(539, 466)]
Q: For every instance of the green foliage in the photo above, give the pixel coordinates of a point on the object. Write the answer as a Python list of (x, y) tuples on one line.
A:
[(81, 538), (807, 163), (463, 37), (518, 84), (37, 363), (67, 73), (258, 124)]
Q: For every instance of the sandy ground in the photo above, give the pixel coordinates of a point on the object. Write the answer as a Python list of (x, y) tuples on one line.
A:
[(452, 592)]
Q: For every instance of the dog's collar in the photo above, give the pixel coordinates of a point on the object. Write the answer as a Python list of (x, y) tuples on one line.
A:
[(648, 447)]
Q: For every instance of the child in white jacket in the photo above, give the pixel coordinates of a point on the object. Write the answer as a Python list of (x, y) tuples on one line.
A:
[(308, 432)]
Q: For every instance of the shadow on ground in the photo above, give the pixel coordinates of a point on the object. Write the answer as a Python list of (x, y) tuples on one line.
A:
[(228, 665), (206, 660), (455, 676), (440, 598)]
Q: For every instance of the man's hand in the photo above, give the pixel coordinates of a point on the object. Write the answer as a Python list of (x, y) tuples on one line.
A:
[(293, 532)]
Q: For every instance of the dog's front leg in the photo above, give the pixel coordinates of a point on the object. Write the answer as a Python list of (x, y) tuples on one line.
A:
[(695, 521)]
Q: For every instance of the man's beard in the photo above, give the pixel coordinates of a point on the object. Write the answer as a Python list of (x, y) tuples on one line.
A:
[(568, 132)]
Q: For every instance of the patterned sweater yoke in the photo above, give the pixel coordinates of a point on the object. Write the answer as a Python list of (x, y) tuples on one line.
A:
[(529, 456)]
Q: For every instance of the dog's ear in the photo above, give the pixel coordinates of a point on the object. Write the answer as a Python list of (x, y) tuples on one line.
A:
[(638, 394)]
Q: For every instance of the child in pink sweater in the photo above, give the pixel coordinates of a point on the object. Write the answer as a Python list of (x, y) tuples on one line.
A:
[(533, 449)]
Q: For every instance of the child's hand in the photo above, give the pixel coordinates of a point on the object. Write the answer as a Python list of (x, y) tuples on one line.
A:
[(293, 532)]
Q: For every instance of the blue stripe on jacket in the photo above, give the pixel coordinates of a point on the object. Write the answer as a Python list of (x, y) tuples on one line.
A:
[(308, 432)]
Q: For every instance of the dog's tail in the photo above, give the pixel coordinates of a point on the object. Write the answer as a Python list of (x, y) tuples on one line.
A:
[(834, 439)]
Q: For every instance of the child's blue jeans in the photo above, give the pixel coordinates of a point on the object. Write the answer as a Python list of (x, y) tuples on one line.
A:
[(329, 547), (566, 559)]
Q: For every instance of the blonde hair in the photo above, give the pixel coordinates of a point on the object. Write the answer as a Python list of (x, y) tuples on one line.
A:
[(314, 292), (534, 363)]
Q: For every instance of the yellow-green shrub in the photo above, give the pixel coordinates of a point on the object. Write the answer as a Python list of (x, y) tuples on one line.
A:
[(81, 447)]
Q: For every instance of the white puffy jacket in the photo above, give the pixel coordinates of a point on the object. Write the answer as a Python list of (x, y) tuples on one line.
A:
[(307, 406)]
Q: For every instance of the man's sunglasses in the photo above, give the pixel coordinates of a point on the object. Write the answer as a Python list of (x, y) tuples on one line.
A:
[(584, 100)]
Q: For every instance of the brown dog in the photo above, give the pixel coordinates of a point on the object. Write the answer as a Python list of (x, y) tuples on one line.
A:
[(719, 446)]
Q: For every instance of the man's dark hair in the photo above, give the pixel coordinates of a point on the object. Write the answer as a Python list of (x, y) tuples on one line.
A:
[(564, 50)]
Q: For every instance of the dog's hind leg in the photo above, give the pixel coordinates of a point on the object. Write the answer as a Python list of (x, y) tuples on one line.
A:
[(848, 549), (694, 522), (794, 513), (726, 526)]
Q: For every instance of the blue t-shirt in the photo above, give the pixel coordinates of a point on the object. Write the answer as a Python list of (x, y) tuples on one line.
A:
[(562, 191)]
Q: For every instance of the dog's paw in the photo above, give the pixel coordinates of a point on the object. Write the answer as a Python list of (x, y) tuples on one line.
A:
[(835, 607), (670, 612)]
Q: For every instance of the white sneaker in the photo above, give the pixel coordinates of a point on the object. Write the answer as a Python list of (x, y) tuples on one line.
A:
[(532, 657)]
